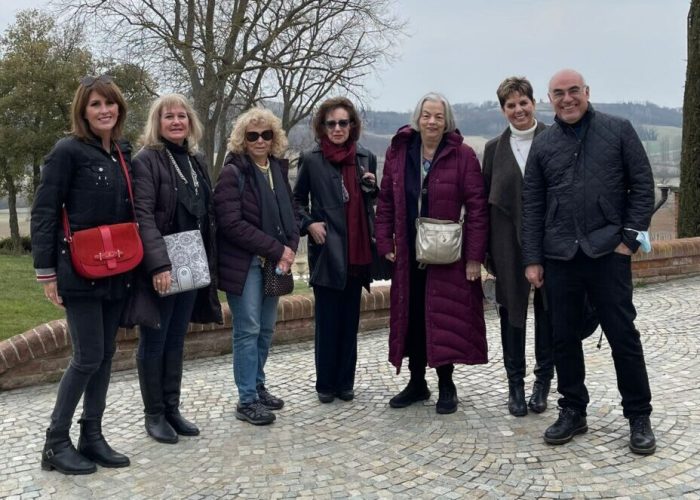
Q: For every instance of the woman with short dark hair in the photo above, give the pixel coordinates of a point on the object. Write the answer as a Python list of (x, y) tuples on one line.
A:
[(335, 192)]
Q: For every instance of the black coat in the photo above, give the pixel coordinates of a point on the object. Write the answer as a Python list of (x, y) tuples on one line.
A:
[(239, 221), (319, 195), (91, 184), (585, 193), (155, 192), (504, 186)]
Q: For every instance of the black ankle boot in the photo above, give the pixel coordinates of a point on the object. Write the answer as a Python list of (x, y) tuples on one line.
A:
[(416, 390), (60, 454), (538, 399), (172, 381), (642, 439), (516, 399), (447, 400), (150, 381), (92, 445)]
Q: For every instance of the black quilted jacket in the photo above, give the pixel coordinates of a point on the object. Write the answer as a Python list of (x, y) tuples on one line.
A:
[(585, 192)]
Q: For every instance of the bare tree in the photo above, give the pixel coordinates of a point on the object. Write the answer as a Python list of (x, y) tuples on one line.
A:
[(232, 54), (689, 211)]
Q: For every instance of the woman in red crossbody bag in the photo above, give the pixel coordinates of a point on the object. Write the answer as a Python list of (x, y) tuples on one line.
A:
[(85, 175)]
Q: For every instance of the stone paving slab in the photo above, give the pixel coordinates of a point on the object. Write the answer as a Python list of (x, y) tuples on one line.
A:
[(365, 449)]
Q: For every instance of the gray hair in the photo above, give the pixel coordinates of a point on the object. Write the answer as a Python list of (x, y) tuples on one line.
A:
[(450, 124)]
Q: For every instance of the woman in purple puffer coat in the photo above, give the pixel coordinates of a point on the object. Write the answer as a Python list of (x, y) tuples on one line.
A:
[(437, 315)]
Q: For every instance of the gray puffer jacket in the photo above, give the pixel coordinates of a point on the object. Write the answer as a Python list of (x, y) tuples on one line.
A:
[(586, 188)]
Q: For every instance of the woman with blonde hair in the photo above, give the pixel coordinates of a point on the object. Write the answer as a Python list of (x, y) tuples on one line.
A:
[(173, 193), (256, 223)]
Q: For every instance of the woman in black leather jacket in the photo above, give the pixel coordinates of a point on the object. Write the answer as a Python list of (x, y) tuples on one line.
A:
[(335, 191), (84, 174)]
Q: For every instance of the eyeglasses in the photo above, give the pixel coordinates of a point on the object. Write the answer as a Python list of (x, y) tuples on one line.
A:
[(89, 81), (558, 94), (267, 135), (330, 124)]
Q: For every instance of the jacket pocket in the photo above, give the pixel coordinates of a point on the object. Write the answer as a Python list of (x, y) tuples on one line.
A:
[(552, 208), (608, 211)]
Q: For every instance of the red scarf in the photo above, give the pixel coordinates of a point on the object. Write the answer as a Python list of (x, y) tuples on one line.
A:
[(359, 252)]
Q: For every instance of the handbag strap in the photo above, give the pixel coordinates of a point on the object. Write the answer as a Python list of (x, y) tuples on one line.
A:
[(66, 224), (422, 178)]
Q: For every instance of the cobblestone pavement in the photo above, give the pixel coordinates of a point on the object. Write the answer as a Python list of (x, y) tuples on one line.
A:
[(366, 449)]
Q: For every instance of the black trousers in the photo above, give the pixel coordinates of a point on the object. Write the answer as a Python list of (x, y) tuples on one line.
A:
[(175, 313), (93, 325), (608, 282), (337, 314), (416, 347), (513, 342)]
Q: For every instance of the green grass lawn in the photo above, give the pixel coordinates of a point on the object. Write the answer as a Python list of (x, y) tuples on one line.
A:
[(22, 302)]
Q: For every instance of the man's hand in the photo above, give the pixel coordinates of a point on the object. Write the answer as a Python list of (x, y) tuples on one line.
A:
[(317, 231), (623, 249), (535, 275)]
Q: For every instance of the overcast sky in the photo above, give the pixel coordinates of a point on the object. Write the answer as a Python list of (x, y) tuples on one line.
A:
[(628, 50)]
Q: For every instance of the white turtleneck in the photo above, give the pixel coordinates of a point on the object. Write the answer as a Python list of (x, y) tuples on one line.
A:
[(520, 142)]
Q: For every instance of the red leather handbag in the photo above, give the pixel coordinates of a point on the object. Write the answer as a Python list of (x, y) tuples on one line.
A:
[(108, 250)]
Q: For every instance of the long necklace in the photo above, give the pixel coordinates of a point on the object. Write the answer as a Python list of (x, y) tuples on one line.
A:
[(523, 160), (195, 182)]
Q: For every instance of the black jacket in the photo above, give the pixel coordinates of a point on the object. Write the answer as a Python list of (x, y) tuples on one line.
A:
[(319, 195), (585, 193), (91, 184), (155, 191)]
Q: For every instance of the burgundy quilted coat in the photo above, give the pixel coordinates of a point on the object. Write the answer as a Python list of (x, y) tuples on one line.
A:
[(454, 314)]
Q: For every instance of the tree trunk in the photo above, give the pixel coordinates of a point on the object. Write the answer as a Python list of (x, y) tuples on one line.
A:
[(689, 210), (16, 245)]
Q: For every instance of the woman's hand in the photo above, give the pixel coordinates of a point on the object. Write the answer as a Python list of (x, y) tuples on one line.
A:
[(51, 292), (473, 270), (287, 259), (161, 282), (391, 256), (317, 230)]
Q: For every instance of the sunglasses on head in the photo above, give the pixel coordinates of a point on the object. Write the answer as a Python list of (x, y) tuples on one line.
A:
[(88, 81), (330, 124), (267, 135)]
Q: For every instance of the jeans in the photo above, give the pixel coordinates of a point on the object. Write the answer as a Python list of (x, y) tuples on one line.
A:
[(337, 315), (93, 325), (254, 317), (608, 282), (175, 313)]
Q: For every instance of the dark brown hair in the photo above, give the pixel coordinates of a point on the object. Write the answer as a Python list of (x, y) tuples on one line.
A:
[(319, 120), (80, 127), (518, 84)]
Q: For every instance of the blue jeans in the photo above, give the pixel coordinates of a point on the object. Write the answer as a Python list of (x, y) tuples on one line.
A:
[(254, 317)]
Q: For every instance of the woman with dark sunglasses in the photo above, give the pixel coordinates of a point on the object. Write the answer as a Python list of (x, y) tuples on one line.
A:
[(84, 174), (335, 192), (255, 223)]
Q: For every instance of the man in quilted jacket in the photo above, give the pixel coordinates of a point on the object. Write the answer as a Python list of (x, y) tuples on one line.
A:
[(588, 197)]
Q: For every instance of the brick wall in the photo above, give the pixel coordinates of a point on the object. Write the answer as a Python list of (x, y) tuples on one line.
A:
[(41, 355)]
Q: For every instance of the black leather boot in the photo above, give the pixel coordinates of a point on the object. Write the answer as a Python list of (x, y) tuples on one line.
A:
[(416, 390), (92, 445), (447, 399), (60, 454), (172, 380), (642, 439), (513, 341), (150, 381), (538, 399)]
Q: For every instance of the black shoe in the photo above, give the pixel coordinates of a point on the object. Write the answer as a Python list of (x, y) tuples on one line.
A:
[(255, 413), (60, 454), (642, 439), (347, 395), (415, 391), (93, 445), (447, 399), (180, 424), (538, 399), (516, 399), (569, 424), (325, 397), (268, 400), (160, 429)]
